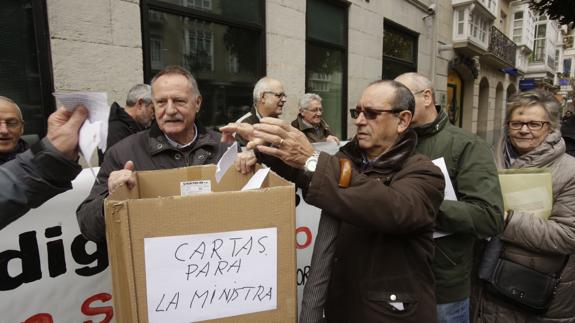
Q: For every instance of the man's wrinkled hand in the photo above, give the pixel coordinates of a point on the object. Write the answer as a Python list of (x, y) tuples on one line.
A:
[(63, 128), (229, 131), (245, 162), (331, 138), (288, 143), (122, 177)]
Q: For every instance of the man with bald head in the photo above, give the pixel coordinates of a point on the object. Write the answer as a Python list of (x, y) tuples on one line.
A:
[(175, 140), (478, 211), (11, 129)]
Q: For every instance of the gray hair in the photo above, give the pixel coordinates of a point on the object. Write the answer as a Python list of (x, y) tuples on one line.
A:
[(403, 98), (305, 100), (419, 82), (261, 86), (137, 92), (536, 97), (18, 110), (178, 70)]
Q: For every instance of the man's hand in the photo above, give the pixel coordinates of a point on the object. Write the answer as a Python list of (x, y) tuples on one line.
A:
[(331, 138), (121, 177), (243, 129), (63, 128), (289, 144), (245, 162)]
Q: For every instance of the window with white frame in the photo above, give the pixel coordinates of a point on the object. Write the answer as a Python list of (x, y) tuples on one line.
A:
[(479, 27), (538, 55), (460, 21), (517, 32)]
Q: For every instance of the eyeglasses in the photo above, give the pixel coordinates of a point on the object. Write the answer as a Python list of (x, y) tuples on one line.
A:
[(314, 111), (11, 123), (277, 95), (369, 113), (417, 92), (532, 125)]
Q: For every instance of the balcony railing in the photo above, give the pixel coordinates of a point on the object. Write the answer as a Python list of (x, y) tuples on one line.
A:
[(502, 47)]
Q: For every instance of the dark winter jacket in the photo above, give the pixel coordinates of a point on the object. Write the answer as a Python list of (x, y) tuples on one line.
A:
[(32, 178), (478, 211), (148, 150), (120, 126), (21, 147)]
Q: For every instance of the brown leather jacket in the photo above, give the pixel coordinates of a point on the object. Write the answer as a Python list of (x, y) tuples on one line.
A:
[(376, 248)]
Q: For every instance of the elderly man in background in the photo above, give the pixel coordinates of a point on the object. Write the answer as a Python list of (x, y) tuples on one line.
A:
[(309, 120), (478, 211), (174, 140), (269, 99), (11, 129), (136, 116)]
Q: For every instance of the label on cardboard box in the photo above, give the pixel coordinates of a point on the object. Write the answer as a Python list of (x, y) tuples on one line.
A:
[(200, 277), (195, 187)]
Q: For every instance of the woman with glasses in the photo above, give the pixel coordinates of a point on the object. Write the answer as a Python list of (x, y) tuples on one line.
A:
[(532, 140)]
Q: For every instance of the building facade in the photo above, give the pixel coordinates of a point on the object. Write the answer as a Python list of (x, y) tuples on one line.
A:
[(472, 50)]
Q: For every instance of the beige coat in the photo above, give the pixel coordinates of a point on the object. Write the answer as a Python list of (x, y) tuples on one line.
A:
[(540, 243)]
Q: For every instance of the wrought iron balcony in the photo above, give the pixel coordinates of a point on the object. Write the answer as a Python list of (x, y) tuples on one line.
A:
[(501, 49)]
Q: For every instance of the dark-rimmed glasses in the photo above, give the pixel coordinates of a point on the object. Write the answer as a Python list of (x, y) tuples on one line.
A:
[(532, 125), (277, 95), (369, 113)]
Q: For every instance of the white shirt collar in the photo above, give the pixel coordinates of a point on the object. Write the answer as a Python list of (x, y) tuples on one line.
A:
[(179, 146)]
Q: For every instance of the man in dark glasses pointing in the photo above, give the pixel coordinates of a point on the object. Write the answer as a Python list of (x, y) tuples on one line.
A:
[(372, 256)]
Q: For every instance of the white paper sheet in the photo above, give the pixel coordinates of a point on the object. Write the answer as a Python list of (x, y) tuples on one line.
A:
[(449, 191), (257, 180), (226, 161), (200, 277), (94, 132)]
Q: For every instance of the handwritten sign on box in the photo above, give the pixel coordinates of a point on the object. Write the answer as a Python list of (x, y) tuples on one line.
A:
[(207, 276)]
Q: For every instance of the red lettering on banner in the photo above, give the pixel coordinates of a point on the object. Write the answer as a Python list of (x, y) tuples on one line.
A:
[(308, 237), (40, 318), (91, 311)]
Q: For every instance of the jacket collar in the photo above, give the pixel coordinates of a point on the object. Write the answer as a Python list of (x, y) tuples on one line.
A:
[(549, 150), (21, 146), (434, 127), (157, 140), (303, 125), (391, 160)]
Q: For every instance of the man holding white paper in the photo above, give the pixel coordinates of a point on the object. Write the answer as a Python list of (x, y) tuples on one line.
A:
[(175, 140), (44, 170), (477, 212)]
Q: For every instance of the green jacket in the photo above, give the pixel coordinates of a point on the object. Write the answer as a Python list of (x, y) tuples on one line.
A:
[(478, 211)]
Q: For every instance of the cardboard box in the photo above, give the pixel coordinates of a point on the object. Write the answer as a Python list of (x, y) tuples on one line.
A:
[(136, 218), (528, 190)]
